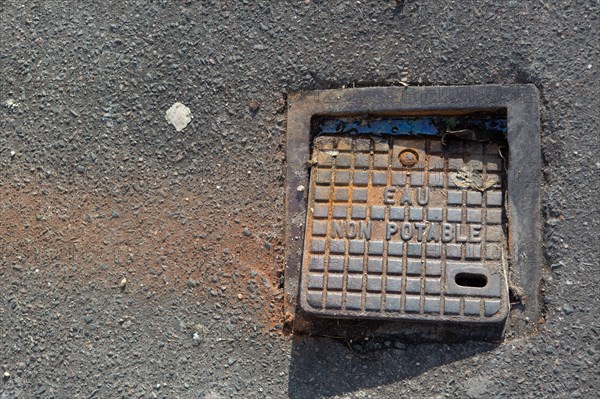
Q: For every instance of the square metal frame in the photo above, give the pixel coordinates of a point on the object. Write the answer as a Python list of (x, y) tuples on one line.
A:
[(521, 104)]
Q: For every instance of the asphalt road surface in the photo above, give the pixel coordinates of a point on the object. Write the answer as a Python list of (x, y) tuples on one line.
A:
[(138, 261)]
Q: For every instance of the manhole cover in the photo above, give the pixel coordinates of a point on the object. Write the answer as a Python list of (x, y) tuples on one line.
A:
[(405, 228), (414, 204)]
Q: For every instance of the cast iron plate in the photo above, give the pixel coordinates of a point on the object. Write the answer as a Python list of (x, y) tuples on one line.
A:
[(406, 229)]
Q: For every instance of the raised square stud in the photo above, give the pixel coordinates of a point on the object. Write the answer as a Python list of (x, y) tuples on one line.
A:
[(317, 263), (359, 195), (436, 180), (359, 212), (373, 283), (317, 246), (397, 213), (398, 179), (393, 303), (413, 285), (334, 282), (320, 211), (414, 249), (377, 212), (342, 177), (431, 305), (417, 179), (452, 306), (395, 248), (394, 284), (337, 246), (373, 302), (455, 197), (415, 214), (357, 247), (319, 228), (432, 285), (333, 300), (433, 268), (413, 267), (355, 264), (361, 161), (472, 307), (493, 198), (454, 215), (324, 176), (394, 265), (454, 251), (375, 247), (434, 250), (434, 214), (473, 215), (361, 178), (336, 264), (354, 283), (375, 265), (322, 193), (474, 198), (315, 281), (340, 211), (342, 161), (413, 304), (341, 194), (379, 178), (353, 301)]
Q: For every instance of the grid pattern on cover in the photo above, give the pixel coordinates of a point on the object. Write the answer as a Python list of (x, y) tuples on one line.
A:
[(405, 228)]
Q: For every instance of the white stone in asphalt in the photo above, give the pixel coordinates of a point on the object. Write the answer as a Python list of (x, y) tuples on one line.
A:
[(179, 116)]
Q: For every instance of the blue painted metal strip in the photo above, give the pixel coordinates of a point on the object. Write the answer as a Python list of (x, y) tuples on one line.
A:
[(411, 126)]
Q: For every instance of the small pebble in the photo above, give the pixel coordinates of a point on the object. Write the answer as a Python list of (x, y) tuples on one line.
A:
[(399, 345), (254, 105), (179, 116), (192, 283)]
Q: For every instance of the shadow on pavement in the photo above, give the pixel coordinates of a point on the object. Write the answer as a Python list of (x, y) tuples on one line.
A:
[(324, 367)]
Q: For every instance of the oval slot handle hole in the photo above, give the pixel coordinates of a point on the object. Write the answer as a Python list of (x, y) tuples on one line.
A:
[(471, 280)]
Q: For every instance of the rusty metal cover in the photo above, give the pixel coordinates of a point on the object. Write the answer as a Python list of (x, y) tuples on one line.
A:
[(390, 219), (409, 229)]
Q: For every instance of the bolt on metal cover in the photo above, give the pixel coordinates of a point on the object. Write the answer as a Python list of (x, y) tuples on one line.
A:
[(418, 208)]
